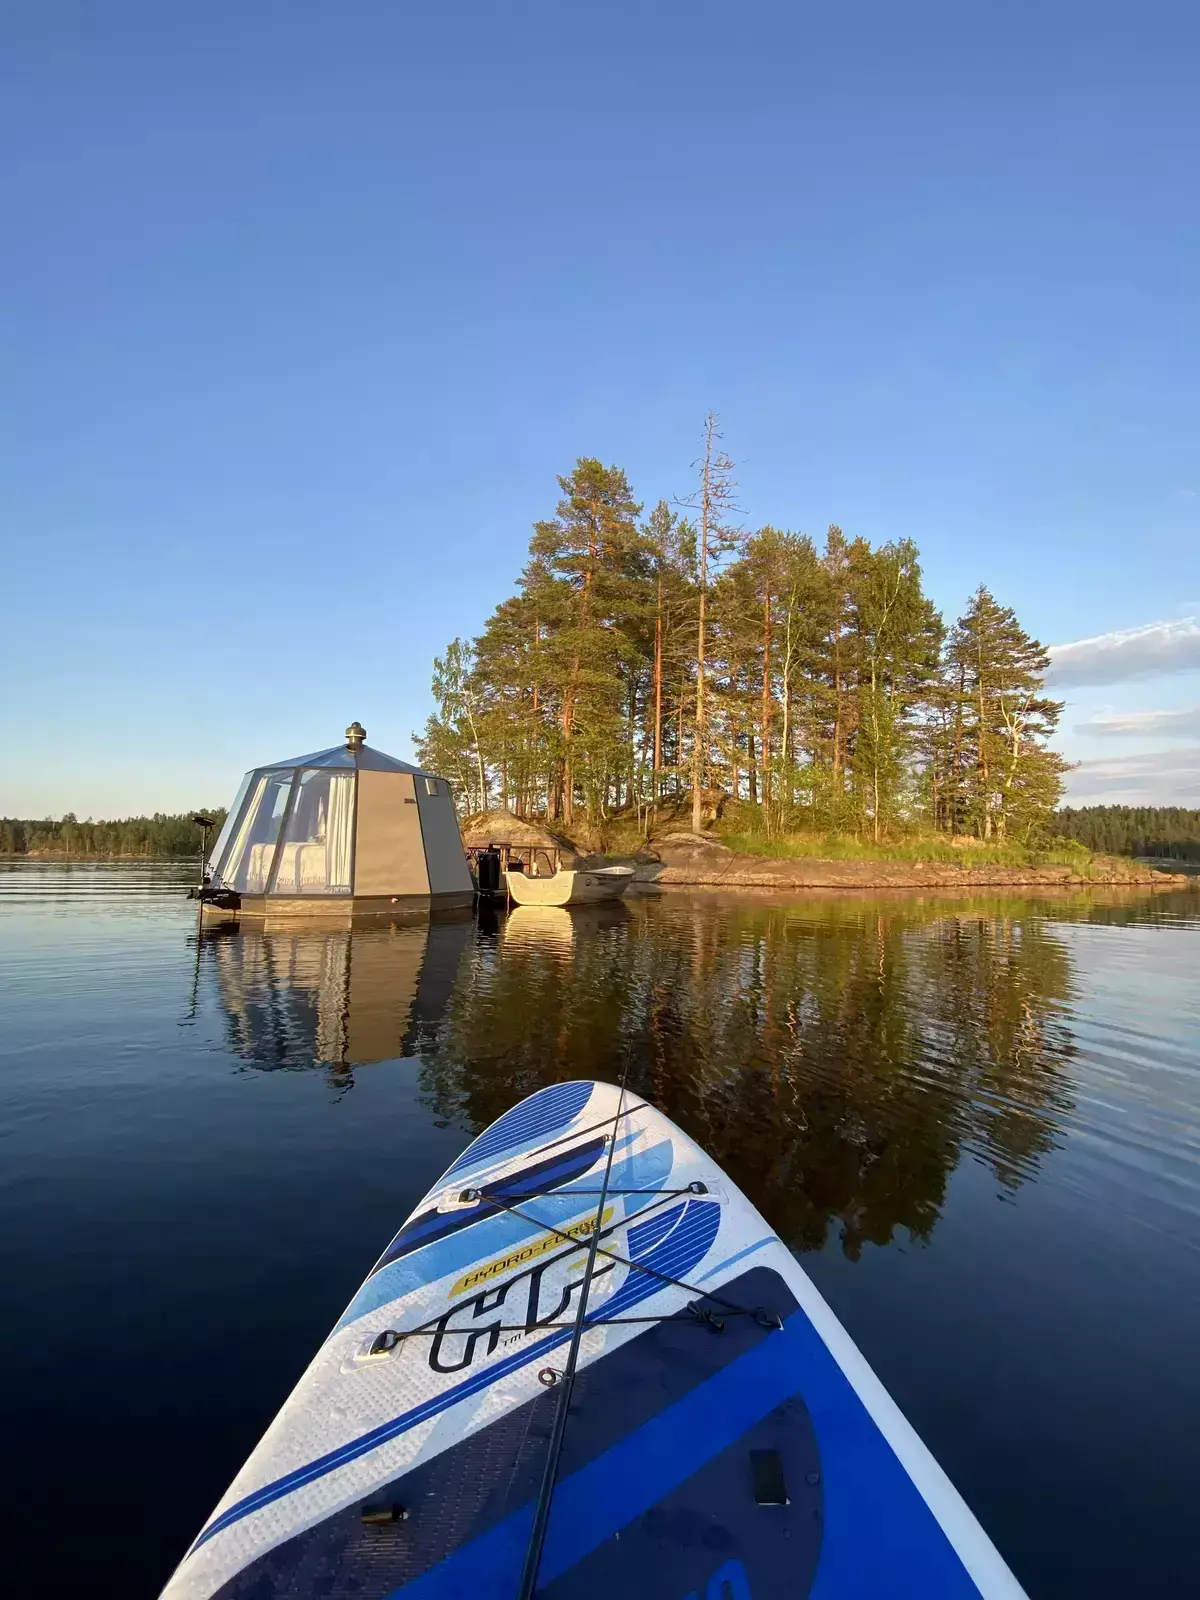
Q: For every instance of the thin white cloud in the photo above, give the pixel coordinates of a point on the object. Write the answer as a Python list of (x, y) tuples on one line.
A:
[(1184, 724), (1151, 651), (1162, 778)]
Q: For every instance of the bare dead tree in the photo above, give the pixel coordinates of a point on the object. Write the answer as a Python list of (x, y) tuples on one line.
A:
[(717, 534)]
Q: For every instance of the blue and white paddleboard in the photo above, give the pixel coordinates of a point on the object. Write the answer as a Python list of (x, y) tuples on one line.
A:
[(696, 1426)]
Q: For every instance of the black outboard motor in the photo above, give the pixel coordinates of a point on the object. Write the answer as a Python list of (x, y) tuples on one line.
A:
[(487, 868), (223, 899)]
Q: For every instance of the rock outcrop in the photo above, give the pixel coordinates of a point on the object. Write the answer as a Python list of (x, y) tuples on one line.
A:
[(701, 859), (505, 827)]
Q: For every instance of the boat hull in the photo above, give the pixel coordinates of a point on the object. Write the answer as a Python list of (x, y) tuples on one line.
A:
[(577, 888)]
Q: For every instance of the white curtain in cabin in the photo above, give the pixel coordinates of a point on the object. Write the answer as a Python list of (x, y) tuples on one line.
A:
[(340, 832), (229, 860), (314, 854)]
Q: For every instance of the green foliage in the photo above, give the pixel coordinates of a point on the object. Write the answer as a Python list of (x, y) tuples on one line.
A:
[(1169, 832), (898, 636), (642, 661), (159, 835), (929, 847), (997, 776), (451, 743)]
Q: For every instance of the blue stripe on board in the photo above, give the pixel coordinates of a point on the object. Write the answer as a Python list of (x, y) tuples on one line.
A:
[(542, 1112), (687, 1243), (644, 1236), (535, 1136), (881, 1538), (682, 1254), (494, 1234), (549, 1174)]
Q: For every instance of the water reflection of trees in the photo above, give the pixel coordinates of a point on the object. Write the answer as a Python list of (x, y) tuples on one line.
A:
[(838, 1059)]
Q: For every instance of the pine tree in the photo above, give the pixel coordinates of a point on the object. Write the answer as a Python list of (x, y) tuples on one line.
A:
[(836, 671), (592, 544), (510, 665), (767, 561), (799, 633), (1011, 777), (898, 640), (671, 546), (734, 669)]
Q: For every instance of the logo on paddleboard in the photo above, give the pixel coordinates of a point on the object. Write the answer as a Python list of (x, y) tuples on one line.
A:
[(461, 1331), (526, 1254)]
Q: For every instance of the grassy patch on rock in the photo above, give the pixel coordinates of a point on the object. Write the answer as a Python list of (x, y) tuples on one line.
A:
[(848, 847)]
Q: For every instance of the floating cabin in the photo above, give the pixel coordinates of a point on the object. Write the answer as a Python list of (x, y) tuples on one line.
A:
[(339, 834)]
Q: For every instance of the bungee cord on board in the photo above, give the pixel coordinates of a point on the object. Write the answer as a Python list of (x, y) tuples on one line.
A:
[(541, 1509), (711, 1315)]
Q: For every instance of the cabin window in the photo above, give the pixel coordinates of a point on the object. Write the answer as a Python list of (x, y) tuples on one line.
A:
[(431, 786), (246, 865), (314, 851), (232, 819)]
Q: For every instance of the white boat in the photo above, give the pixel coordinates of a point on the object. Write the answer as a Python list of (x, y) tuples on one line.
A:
[(574, 888)]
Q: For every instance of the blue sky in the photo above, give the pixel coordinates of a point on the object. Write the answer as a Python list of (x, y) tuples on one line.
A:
[(304, 307)]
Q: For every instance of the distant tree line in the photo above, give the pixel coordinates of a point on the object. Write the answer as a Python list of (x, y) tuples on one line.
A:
[(644, 660), (1167, 831), (159, 835)]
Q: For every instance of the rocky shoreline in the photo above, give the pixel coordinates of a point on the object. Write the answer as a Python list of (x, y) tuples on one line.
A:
[(695, 860)]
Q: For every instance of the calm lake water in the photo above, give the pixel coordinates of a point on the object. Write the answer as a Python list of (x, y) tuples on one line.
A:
[(978, 1122)]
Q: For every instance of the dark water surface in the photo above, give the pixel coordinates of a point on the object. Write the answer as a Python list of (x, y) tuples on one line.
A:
[(978, 1122)]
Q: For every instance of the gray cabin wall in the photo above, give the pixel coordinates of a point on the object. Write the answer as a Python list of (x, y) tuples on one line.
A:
[(389, 857), (448, 870)]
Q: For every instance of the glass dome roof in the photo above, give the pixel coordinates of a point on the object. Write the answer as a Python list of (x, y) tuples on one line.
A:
[(340, 755)]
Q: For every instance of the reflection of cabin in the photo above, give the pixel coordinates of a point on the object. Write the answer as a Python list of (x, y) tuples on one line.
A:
[(338, 833), (342, 997)]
